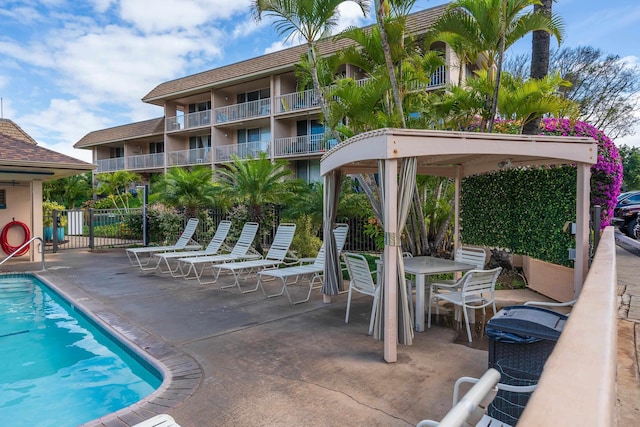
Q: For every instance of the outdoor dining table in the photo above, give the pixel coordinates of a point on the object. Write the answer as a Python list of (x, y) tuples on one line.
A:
[(423, 267)]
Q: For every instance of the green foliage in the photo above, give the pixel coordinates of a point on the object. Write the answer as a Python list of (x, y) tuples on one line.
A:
[(372, 228), (116, 184), (192, 189), (165, 223), (47, 213), (305, 242), (70, 191), (631, 167), (522, 210)]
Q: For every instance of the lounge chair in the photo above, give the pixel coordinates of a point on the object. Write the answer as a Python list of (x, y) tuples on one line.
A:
[(185, 242), (241, 250), (216, 243), (274, 258), (162, 420), (311, 272)]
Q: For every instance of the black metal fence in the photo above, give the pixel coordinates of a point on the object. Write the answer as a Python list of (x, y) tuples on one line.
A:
[(112, 228)]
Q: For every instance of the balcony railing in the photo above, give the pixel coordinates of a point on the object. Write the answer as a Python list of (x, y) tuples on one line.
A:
[(296, 101), (243, 151), (146, 161), (307, 144), (194, 156), (110, 165), (188, 121), (438, 78), (243, 111)]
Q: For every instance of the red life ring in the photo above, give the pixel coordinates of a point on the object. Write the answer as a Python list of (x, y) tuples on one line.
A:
[(9, 249)]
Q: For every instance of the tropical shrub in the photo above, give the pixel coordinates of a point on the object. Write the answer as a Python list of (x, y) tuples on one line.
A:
[(606, 174)]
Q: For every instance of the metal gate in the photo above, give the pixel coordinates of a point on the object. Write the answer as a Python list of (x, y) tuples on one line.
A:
[(93, 228)]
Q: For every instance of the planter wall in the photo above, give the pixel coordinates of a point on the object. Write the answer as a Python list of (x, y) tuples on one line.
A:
[(552, 280)]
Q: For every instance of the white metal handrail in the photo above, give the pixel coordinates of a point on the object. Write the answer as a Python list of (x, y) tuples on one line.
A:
[(22, 247)]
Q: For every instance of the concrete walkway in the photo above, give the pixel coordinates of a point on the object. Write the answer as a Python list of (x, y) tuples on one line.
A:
[(237, 360), (628, 269)]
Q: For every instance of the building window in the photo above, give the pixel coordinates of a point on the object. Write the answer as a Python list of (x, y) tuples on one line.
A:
[(308, 171), (156, 147), (116, 152), (199, 148), (200, 106), (254, 95)]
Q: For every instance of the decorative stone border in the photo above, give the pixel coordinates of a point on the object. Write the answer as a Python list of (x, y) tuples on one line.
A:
[(181, 374)]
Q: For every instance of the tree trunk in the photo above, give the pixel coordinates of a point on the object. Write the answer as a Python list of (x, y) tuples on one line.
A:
[(387, 57), (540, 48), (319, 94)]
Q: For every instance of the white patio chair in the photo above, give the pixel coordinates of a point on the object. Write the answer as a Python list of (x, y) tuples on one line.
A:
[(162, 420), (476, 289), (241, 250), (216, 243), (471, 409), (310, 272), (361, 281), (274, 258), (183, 243), (467, 255)]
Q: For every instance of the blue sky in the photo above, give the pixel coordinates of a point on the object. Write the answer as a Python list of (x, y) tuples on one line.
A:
[(69, 67)]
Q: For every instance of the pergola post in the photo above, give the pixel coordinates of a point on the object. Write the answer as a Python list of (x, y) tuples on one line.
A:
[(581, 264), (390, 261)]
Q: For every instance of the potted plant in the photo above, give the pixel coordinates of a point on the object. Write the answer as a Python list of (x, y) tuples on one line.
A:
[(47, 220)]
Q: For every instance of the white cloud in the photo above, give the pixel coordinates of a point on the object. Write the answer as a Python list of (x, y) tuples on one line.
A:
[(101, 6), (167, 15), (61, 125), (115, 64), (278, 45), (350, 16)]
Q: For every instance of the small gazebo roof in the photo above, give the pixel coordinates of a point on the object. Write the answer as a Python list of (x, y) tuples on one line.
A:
[(455, 155), (441, 153)]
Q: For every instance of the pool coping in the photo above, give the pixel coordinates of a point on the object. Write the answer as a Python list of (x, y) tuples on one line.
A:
[(181, 373)]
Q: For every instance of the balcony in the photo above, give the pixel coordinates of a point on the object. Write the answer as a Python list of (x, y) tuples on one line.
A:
[(244, 111), (244, 151), (194, 156), (307, 144), (146, 161), (188, 121), (110, 165)]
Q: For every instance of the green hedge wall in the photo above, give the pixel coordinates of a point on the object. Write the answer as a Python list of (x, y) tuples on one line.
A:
[(522, 210)]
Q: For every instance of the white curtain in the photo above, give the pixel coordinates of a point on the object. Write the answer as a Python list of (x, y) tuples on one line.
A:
[(332, 273), (406, 187)]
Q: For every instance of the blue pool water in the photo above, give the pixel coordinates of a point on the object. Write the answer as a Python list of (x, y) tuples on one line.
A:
[(57, 368)]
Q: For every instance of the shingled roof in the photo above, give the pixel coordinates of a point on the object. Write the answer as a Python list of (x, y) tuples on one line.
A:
[(121, 133), (417, 23), (21, 155)]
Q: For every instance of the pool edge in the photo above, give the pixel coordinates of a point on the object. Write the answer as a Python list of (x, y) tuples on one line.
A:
[(181, 374)]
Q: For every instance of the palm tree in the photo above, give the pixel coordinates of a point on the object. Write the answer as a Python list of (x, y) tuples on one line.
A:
[(488, 28), (540, 45), (392, 11), (257, 183), (309, 19), (116, 184), (524, 101), (192, 189)]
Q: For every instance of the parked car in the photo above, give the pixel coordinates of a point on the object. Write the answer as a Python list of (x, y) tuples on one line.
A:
[(628, 198), (626, 219)]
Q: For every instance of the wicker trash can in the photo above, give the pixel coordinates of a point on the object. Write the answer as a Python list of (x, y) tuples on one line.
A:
[(521, 339)]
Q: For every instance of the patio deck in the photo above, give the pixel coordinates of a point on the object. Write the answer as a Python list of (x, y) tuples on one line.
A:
[(246, 360)]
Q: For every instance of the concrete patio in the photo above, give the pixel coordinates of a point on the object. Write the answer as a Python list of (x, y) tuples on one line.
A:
[(247, 360)]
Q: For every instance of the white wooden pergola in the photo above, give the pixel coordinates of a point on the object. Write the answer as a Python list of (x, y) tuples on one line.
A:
[(393, 152)]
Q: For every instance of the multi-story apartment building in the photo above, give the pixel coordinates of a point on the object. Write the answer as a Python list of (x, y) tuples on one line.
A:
[(240, 109)]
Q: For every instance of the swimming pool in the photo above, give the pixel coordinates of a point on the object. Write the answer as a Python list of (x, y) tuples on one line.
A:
[(58, 367)]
